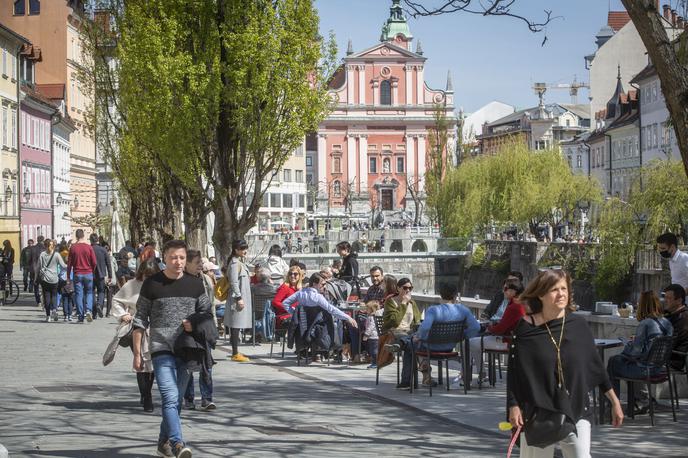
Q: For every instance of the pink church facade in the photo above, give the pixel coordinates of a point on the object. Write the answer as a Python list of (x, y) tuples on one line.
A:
[(374, 144)]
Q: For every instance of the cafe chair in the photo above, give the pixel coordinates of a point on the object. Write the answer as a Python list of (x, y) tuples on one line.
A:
[(659, 357), (450, 332), (675, 372)]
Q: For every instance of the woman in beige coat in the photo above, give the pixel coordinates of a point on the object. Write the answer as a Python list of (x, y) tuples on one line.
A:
[(124, 309)]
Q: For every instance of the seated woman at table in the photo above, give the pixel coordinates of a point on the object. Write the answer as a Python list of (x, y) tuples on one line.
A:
[(292, 284), (401, 316), (498, 333), (651, 324)]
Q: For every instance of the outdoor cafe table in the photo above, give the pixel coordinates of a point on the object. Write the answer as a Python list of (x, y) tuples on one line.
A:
[(602, 345)]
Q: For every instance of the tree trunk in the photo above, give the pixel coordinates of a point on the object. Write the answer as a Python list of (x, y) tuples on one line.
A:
[(195, 224), (673, 76)]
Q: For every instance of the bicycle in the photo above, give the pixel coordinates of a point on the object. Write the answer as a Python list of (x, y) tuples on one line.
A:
[(10, 291)]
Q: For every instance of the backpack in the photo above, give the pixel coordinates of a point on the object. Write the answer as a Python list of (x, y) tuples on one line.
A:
[(222, 289)]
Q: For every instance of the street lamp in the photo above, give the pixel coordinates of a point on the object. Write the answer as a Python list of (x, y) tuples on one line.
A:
[(27, 195), (583, 206)]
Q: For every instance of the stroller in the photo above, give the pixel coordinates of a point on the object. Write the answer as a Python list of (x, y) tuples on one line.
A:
[(314, 331), (337, 291)]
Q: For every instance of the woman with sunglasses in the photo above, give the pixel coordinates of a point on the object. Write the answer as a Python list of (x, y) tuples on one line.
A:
[(292, 283), (401, 315), (496, 337)]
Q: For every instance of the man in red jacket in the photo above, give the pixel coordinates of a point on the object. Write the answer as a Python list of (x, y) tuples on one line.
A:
[(82, 261)]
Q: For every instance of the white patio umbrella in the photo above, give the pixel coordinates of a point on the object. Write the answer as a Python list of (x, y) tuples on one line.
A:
[(117, 236)]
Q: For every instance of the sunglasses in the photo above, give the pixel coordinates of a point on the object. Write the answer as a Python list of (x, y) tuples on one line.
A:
[(294, 274), (407, 288)]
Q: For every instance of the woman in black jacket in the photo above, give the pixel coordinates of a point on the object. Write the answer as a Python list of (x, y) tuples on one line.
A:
[(552, 367), (349, 268)]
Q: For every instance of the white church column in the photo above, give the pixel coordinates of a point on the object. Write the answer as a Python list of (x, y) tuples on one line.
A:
[(350, 158), (410, 157), (419, 82), (421, 162), (363, 164), (376, 92), (395, 91), (409, 85), (321, 179), (361, 85), (350, 84)]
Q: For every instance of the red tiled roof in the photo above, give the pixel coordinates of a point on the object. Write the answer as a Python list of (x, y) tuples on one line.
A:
[(52, 91), (632, 95), (37, 95), (617, 19)]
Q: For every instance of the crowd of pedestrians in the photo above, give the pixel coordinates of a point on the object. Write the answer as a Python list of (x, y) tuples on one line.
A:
[(170, 307)]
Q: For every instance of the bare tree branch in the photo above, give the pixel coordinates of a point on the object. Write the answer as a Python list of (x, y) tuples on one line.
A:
[(482, 7)]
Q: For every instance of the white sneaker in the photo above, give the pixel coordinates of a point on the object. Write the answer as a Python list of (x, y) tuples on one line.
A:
[(89, 317), (47, 319)]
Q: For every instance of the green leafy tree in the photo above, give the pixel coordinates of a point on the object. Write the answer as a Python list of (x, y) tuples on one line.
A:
[(215, 95), (439, 163), (658, 202), (515, 187)]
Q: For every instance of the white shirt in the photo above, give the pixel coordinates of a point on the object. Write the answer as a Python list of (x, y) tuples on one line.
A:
[(678, 265)]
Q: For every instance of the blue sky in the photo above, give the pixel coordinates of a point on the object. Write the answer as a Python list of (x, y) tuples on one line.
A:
[(491, 58)]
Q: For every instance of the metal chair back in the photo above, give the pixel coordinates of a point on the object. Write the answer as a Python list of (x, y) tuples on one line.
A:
[(450, 332), (378, 325), (660, 351)]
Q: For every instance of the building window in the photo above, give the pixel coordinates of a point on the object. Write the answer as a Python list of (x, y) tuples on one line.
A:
[(579, 161), (309, 178), (373, 165), (400, 165), (337, 188), (298, 176), (386, 165), (275, 200), (5, 133), (287, 175), (336, 165), (568, 123), (14, 128), (287, 200), (19, 8), (26, 70), (34, 6), (302, 200), (540, 144), (266, 200), (309, 161), (385, 93)]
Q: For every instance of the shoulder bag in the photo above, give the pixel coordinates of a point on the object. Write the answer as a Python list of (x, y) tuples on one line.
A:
[(546, 427), (44, 269)]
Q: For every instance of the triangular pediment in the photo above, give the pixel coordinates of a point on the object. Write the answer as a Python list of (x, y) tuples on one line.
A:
[(385, 49)]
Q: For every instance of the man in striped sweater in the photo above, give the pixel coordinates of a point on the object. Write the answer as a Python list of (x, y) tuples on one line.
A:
[(166, 300)]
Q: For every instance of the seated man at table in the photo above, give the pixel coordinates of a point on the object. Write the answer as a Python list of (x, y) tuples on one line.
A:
[(495, 309), (498, 333), (312, 296), (376, 292), (448, 311), (677, 313)]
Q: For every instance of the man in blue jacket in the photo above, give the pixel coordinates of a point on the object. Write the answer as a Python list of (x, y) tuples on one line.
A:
[(448, 311)]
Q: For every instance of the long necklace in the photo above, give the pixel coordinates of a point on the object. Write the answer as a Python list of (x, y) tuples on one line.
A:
[(560, 369)]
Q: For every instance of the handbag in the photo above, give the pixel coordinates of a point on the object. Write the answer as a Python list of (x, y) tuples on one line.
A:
[(44, 269), (546, 427), (127, 339), (384, 356)]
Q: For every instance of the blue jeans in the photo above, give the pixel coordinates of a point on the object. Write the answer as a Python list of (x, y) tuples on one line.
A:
[(172, 377), (66, 302), (206, 388), (83, 294), (622, 366)]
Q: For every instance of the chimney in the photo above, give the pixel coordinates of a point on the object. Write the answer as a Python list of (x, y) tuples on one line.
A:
[(673, 17), (666, 9)]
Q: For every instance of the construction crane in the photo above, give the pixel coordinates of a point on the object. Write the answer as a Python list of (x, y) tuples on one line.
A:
[(541, 88)]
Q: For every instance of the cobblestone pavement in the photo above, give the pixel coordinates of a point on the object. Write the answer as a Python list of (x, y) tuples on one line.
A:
[(58, 400)]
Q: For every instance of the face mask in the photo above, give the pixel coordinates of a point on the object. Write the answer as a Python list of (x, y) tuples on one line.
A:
[(665, 254)]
